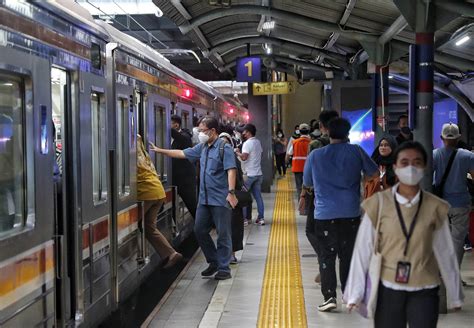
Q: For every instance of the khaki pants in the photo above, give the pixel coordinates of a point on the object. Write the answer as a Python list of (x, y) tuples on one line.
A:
[(152, 234)]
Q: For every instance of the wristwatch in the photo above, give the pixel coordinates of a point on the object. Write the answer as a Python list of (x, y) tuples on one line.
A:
[(232, 191)]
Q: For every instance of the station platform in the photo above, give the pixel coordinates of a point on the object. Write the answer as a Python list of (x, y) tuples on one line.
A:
[(273, 283)]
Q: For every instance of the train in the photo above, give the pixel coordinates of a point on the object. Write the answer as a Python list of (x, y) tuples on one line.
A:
[(74, 94)]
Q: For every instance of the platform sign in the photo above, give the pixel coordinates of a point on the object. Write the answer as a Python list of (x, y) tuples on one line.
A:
[(273, 88), (249, 69)]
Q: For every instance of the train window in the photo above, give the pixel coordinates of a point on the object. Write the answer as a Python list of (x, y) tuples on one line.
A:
[(96, 59), (99, 150), (184, 119), (58, 97), (123, 145), (160, 137), (12, 170)]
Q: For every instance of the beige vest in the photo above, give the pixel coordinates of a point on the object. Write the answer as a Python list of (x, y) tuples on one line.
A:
[(433, 213)]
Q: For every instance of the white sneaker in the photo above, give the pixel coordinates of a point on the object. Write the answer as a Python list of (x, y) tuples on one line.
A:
[(260, 222)]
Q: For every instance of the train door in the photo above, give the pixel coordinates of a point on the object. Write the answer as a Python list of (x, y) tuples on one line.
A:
[(26, 192), (92, 280), (64, 192)]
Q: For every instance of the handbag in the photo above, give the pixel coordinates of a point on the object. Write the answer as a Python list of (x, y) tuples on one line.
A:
[(438, 190), (244, 198), (368, 304)]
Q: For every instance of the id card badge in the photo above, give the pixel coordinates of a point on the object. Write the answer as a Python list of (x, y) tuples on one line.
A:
[(402, 274)]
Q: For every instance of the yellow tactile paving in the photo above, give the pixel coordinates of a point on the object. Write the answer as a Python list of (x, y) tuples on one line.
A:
[(282, 299)]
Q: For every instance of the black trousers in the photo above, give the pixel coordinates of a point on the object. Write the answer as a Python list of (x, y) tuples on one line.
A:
[(237, 229), (280, 163), (187, 191), (310, 223), (396, 309), (335, 238), (298, 183)]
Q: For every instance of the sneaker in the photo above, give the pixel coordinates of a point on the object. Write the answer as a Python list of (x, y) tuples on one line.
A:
[(211, 269), (260, 222), (222, 275), (328, 305), (467, 248), (246, 222), (234, 260)]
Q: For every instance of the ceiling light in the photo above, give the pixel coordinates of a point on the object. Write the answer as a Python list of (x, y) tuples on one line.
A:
[(462, 40), (270, 25), (390, 76), (268, 50), (8, 84)]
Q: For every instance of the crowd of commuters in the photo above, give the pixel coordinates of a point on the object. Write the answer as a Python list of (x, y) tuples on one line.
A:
[(419, 235)]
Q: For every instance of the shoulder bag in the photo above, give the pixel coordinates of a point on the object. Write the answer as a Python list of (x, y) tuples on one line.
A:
[(368, 304), (438, 190)]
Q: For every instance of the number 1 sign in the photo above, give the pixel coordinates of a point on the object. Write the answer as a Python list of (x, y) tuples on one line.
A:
[(249, 69)]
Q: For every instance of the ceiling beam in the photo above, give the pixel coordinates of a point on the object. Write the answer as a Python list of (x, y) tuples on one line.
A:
[(240, 42), (397, 26)]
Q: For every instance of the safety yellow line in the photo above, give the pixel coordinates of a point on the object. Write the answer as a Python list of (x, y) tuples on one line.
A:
[(282, 299)]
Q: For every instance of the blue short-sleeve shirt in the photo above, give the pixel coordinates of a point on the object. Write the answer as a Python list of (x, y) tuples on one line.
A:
[(213, 176), (334, 171), (455, 188)]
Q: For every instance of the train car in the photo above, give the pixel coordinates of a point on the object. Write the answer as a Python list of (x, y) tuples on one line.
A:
[(74, 95)]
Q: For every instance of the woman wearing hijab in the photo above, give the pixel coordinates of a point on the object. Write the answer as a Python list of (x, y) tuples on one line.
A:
[(383, 157)]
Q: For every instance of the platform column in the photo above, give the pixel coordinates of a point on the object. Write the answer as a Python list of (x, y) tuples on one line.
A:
[(380, 100)]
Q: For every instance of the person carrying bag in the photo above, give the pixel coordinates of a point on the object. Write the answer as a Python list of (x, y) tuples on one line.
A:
[(403, 246), (438, 190)]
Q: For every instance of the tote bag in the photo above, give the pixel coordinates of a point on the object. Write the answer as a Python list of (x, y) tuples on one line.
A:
[(368, 304)]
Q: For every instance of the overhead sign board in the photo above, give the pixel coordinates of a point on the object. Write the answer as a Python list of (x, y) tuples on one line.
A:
[(249, 69), (273, 88)]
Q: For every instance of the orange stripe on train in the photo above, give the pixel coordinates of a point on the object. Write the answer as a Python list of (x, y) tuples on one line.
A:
[(15, 274)]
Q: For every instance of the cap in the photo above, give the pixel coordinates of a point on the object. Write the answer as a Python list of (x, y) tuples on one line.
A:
[(304, 126), (450, 131)]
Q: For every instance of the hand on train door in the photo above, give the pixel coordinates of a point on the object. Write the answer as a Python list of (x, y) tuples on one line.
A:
[(153, 147)]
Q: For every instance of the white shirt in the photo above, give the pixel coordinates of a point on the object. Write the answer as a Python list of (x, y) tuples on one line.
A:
[(442, 248), (253, 165)]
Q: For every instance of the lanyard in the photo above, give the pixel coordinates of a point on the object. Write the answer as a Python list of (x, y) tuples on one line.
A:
[(409, 233)]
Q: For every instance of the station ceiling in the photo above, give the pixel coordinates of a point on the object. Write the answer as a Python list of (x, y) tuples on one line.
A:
[(314, 36)]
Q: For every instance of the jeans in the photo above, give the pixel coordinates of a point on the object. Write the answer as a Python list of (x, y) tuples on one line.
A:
[(299, 182), (221, 217), (459, 223), (335, 238), (397, 308), (254, 185)]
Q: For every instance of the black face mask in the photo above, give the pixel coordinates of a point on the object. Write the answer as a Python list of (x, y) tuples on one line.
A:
[(405, 130)]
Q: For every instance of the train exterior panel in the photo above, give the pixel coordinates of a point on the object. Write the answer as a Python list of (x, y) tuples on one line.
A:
[(74, 95)]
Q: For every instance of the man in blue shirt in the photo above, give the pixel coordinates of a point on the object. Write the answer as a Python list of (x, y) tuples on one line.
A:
[(218, 174), (455, 190), (334, 172)]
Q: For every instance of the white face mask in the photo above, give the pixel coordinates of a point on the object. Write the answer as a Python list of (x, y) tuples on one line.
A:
[(203, 138), (280, 135), (410, 175), (297, 131)]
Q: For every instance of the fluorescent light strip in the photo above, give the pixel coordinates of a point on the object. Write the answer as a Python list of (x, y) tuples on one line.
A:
[(462, 40)]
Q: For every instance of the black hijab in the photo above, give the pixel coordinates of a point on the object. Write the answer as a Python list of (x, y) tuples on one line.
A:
[(387, 161)]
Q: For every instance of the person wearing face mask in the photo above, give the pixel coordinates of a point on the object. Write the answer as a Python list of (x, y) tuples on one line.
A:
[(218, 174), (289, 148), (299, 153), (383, 157), (405, 131), (279, 147), (451, 182), (415, 244)]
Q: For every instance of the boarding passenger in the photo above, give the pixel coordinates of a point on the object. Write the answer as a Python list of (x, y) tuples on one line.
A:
[(216, 196), (280, 145), (184, 172), (151, 191), (405, 131), (251, 156), (299, 152), (308, 193), (383, 156), (415, 245), (451, 183), (334, 172)]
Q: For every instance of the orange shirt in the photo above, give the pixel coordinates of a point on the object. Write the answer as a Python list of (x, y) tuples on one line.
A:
[(300, 153)]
